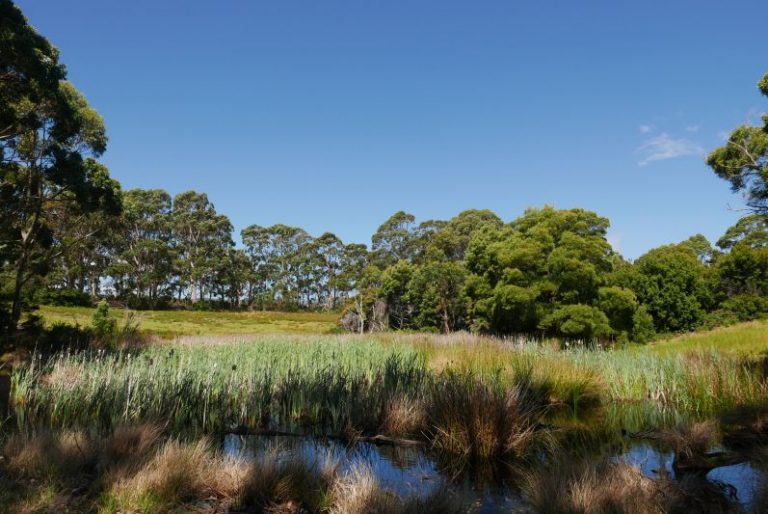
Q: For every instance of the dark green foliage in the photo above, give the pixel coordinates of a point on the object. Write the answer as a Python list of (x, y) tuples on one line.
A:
[(671, 282), (745, 307), (580, 322), (539, 262), (643, 329), (63, 297)]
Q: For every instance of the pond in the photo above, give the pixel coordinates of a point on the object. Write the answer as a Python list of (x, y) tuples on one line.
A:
[(413, 471)]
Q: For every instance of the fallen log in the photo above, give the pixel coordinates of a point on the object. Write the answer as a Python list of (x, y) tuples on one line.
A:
[(379, 440)]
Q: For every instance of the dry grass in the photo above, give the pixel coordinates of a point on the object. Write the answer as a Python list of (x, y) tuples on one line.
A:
[(65, 455), (693, 440), (179, 473), (128, 447), (135, 470), (274, 483), (610, 487), (358, 492), (404, 417), (475, 419)]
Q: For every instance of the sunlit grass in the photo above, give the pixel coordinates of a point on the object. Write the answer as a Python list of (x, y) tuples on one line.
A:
[(176, 323), (344, 384), (744, 338)]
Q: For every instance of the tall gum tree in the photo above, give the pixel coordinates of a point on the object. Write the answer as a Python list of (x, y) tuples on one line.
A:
[(49, 139)]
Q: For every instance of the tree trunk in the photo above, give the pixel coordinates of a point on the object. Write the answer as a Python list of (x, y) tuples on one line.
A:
[(21, 266)]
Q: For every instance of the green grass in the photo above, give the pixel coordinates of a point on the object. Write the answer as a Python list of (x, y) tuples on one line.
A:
[(322, 383), (749, 339), (180, 323)]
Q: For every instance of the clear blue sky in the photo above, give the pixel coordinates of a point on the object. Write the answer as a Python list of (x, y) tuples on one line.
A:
[(332, 115)]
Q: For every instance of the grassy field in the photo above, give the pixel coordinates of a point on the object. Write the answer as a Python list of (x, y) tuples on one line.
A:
[(749, 338), (168, 324)]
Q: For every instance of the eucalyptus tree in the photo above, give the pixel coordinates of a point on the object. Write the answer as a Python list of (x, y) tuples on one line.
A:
[(328, 254), (256, 240), (202, 238), (280, 261), (83, 245), (355, 259), (233, 277), (394, 240), (144, 259), (751, 230), (49, 139)]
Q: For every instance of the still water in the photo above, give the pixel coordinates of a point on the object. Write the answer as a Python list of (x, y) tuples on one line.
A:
[(413, 471)]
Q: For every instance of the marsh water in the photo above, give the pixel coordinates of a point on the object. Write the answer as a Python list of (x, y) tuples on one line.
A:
[(414, 471)]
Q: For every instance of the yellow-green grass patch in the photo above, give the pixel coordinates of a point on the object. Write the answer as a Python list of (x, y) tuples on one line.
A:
[(179, 323)]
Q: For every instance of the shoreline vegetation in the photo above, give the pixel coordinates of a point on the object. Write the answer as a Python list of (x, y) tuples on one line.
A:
[(467, 400)]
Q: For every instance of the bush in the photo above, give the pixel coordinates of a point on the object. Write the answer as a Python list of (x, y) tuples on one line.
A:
[(746, 307), (643, 329), (63, 298), (581, 322), (104, 327), (148, 304)]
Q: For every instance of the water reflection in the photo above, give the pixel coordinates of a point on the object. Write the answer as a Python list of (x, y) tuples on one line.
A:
[(490, 489)]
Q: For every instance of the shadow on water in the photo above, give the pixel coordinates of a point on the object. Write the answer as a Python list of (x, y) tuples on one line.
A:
[(497, 488), (401, 470), (737, 482)]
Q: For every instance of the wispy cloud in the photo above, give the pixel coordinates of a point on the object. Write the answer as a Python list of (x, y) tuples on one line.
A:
[(692, 128), (645, 129), (664, 146)]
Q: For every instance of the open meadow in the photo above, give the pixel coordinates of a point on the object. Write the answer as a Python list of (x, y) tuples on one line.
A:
[(169, 323)]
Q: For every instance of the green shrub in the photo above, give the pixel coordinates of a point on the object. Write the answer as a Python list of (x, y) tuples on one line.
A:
[(746, 307), (104, 327)]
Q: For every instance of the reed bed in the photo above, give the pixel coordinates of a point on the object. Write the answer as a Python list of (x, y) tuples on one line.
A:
[(326, 386), (464, 394)]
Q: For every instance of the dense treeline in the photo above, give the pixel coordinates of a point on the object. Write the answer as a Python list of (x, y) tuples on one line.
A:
[(553, 272), (68, 234), (549, 272), (162, 249)]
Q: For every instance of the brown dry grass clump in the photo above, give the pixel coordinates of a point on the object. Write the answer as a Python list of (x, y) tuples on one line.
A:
[(479, 420), (65, 455), (276, 483), (692, 440), (179, 473), (358, 492), (610, 487), (404, 417)]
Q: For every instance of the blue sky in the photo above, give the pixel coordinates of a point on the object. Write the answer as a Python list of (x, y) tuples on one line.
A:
[(332, 115)]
